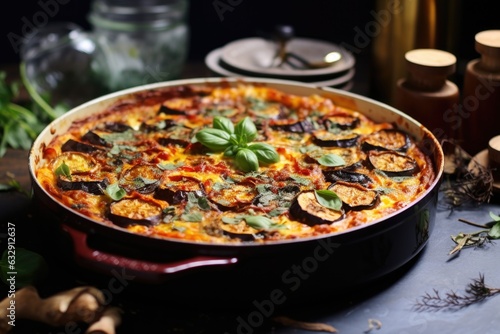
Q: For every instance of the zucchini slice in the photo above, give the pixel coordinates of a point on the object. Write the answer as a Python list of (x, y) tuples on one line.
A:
[(340, 139), (393, 163), (355, 196), (389, 139), (135, 211), (305, 208)]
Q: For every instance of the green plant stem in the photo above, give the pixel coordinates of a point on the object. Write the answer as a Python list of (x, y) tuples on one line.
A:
[(473, 224), (34, 94)]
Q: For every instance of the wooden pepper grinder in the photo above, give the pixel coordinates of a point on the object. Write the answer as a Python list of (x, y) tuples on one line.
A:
[(427, 95), (480, 106)]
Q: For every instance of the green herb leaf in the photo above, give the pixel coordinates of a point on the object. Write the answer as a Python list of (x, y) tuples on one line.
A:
[(328, 199), (245, 131), (192, 217), (231, 220), (494, 217), (224, 124), (63, 170), (29, 266), (331, 160), (494, 232), (259, 222), (115, 192), (214, 139), (265, 152), (246, 160), (231, 150)]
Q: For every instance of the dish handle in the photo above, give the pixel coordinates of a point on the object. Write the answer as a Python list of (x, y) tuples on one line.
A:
[(145, 271)]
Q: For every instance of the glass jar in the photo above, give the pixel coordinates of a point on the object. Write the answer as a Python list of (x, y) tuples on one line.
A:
[(58, 60), (140, 41)]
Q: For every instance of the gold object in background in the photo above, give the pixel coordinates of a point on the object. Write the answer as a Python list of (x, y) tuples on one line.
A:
[(408, 25)]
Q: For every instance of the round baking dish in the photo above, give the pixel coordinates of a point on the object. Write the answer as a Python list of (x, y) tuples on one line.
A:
[(299, 269)]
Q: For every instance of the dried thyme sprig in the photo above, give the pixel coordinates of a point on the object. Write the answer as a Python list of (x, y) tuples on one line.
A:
[(473, 182), (475, 292)]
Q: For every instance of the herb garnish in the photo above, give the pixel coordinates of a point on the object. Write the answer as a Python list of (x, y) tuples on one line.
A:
[(257, 222), (475, 292), (115, 192), (235, 141), (63, 170), (20, 125), (328, 199), (30, 267), (479, 238)]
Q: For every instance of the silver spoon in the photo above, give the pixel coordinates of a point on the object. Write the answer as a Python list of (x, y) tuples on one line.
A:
[(284, 33)]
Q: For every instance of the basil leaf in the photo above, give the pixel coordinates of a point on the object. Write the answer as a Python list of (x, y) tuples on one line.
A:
[(115, 192), (214, 139), (193, 217), (246, 160), (245, 131), (331, 160), (224, 124), (63, 170), (231, 221), (231, 150), (328, 199), (265, 152), (494, 217), (494, 232), (258, 222), (30, 267)]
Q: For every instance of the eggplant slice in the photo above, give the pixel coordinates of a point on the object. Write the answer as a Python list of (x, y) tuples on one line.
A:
[(306, 209), (234, 197), (91, 187), (386, 140), (94, 139), (350, 155), (135, 211), (75, 146), (333, 139), (347, 176), (342, 122), (355, 196), (303, 126), (141, 178), (393, 163), (77, 162), (176, 190), (240, 231)]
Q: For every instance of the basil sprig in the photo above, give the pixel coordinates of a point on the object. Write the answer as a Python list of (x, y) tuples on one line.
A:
[(236, 141)]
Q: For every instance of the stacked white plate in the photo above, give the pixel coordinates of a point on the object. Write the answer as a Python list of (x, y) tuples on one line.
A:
[(254, 57)]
